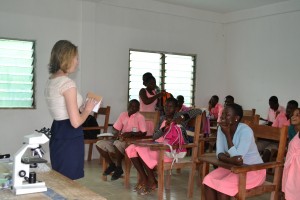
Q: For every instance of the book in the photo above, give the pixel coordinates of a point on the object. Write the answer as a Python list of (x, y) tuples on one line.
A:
[(97, 98)]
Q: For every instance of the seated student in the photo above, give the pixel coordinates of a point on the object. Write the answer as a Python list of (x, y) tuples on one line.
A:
[(215, 108), (291, 175), (144, 160), (294, 128), (282, 119), (228, 100), (129, 124), (235, 145), (274, 110), (181, 106)]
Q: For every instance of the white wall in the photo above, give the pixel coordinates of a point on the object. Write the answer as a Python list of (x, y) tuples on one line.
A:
[(104, 32), (262, 54), (250, 54)]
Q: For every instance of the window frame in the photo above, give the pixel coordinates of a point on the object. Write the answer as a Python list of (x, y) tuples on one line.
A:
[(33, 106), (163, 69)]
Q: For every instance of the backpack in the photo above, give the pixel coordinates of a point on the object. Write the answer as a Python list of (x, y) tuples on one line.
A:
[(90, 122), (174, 136)]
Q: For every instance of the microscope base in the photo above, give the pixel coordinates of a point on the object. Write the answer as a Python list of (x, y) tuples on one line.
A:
[(30, 188)]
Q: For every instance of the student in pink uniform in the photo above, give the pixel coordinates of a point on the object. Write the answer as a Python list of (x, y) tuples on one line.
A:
[(235, 145), (144, 159), (215, 108), (181, 106), (291, 175), (282, 119), (149, 98), (274, 110), (129, 124)]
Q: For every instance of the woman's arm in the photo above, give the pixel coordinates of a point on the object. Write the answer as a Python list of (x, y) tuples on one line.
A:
[(148, 100), (76, 118)]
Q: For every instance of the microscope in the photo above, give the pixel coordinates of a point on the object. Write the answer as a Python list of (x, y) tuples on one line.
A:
[(24, 181)]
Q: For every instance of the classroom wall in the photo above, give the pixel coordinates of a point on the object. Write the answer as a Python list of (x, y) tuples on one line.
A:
[(104, 32), (251, 54), (262, 55)]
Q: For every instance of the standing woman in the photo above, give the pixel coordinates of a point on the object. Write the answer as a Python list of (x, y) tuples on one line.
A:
[(63, 100), (235, 145)]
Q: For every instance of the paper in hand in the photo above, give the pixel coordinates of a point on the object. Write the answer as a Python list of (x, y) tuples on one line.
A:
[(97, 98)]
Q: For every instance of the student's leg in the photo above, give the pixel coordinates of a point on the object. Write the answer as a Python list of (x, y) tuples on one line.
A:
[(136, 161), (105, 155), (119, 152), (151, 181), (210, 194), (104, 147), (222, 196)]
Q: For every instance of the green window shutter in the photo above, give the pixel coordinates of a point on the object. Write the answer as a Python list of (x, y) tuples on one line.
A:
[(16, 73)]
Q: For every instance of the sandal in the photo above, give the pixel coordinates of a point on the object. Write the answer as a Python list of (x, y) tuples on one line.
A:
[(137, 187), (143, 191), (152, 188)]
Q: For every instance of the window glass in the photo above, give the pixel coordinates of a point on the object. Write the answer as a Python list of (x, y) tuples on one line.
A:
[(16, 73)]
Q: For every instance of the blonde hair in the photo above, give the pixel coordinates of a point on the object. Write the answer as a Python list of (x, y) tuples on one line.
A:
[(62, 55)]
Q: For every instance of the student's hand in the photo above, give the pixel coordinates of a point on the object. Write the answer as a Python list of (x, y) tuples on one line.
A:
[(237, 160), (178, 120), (225, 128)]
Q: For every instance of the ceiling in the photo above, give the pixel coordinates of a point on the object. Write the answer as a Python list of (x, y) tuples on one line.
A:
[(221, 6)]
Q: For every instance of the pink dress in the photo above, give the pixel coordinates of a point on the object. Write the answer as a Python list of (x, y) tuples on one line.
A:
[(226, 182), (291, 175), (148, 156), (148, 108), (216, 111)]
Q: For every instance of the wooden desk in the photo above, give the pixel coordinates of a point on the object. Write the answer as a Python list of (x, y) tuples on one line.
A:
[(59, 187)]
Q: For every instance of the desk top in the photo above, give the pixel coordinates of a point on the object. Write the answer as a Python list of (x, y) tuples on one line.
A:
[(59, 187)]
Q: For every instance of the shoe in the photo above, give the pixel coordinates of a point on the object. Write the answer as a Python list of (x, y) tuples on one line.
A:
[(111, 168), (117, 174)]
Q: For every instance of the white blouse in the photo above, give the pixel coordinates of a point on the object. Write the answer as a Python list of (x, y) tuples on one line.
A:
[(54, 96)]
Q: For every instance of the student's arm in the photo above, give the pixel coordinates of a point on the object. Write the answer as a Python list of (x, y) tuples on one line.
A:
[(148, 100)]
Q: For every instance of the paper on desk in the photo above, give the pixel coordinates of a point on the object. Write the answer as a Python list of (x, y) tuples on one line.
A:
[(97, 98)]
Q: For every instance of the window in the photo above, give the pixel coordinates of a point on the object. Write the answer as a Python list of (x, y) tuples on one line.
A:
[(16, 73), (174, 73)]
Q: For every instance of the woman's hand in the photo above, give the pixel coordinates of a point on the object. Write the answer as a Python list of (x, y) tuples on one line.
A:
[(236, 160), (225, 128), (89, 105)]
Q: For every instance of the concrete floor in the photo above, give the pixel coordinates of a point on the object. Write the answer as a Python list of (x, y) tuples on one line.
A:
[(115, 190)]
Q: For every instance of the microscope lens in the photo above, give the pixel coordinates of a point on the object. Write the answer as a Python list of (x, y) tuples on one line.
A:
[(32, 177)]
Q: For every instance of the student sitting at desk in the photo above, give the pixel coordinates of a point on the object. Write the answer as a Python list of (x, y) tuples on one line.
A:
[(215, 108), (129, 124), (235, 145), (265, 147), (144, 160)]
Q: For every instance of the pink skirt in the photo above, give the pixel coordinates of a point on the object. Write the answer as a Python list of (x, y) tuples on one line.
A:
[(291, 175), (150, 127), (226, 182), (148, 156)]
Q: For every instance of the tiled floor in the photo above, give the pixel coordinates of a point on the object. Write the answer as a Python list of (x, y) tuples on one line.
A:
[(114, 190)]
